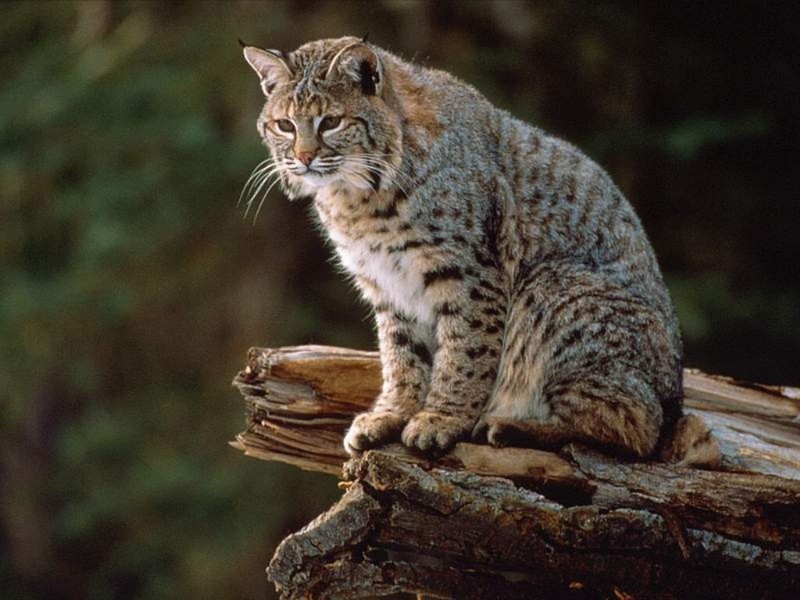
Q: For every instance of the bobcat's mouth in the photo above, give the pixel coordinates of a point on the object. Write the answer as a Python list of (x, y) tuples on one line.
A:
[(318, 170), (353, 173)]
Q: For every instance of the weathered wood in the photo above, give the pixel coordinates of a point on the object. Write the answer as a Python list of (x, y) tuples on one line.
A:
[(453, 534), (484, 522)]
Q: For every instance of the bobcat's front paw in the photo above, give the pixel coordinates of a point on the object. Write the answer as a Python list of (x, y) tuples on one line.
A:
[(436, 433), (372, 429)]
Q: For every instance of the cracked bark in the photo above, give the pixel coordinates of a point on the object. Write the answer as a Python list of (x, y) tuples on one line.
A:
[(483, 522)]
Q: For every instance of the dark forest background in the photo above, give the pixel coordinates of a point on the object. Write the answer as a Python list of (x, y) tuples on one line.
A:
[(131, 287)]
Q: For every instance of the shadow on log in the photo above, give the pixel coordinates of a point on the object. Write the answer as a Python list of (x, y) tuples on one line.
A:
[(484, 522)]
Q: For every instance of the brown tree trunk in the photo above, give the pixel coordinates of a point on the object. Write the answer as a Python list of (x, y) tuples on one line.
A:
[(484, 522)]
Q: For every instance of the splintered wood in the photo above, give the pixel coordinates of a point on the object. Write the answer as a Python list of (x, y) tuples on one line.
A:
[(300, 401), (483, 522)]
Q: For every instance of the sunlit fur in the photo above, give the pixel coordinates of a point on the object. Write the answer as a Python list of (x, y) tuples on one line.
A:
[(514, 289)]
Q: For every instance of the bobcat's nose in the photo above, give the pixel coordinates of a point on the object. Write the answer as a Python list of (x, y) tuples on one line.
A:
[(306, 156)]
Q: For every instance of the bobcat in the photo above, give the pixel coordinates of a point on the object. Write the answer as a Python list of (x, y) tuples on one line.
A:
[(514, 289)]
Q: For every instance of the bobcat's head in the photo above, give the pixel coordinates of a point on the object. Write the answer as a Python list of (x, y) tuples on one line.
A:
[(326, 119)]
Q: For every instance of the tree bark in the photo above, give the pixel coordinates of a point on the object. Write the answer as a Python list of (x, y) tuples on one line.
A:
[(485, 522)]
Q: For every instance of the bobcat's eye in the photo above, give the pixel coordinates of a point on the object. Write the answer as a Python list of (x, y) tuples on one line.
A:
[(285, 125), (329, 122)]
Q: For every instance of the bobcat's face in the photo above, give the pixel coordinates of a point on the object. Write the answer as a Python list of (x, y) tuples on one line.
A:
[(325, 120)]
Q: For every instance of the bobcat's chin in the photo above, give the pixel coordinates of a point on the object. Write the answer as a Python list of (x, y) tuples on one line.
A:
[(317, 180), (308, 184), (311, 182)]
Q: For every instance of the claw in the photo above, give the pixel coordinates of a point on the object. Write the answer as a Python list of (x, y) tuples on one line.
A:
[(479, 431)]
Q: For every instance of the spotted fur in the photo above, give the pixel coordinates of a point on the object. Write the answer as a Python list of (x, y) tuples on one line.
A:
[(514, 289)]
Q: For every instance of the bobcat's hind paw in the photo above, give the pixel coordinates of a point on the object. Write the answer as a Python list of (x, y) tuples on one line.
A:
[(435, 433), (372, 429), (526, 433)]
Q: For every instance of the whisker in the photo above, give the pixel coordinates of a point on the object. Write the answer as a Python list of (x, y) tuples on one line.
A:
[(274, 170), (380, 158), (263, 195), (355, 174), (370, 159), (263, 198), (330, 160), (390, 171), (257, 178), (259, 168), (266, 174)]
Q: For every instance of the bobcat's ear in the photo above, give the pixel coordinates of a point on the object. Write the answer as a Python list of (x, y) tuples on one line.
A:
[(270, 65), (361, 64)]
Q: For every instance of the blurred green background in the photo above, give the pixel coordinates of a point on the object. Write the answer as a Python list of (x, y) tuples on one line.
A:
[(131, 287)]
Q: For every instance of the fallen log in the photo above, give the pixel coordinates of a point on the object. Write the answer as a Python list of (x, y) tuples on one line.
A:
[(485, 522)]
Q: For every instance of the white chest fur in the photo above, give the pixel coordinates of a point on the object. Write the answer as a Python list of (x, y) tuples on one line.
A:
[(397, 275)]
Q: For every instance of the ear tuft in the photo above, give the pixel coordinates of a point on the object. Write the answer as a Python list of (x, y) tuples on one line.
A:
[(270, 65)]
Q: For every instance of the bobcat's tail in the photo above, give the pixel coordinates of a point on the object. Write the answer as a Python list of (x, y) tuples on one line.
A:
[(692, 444)]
